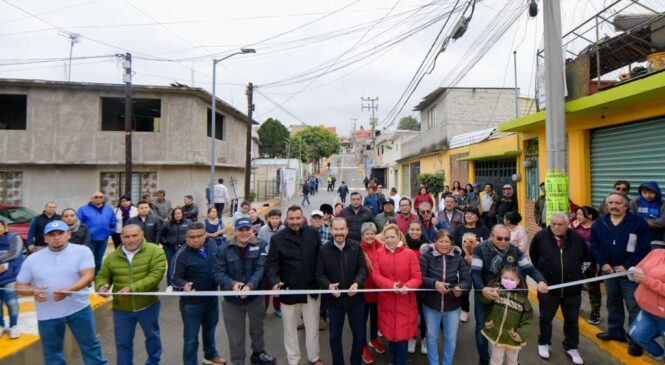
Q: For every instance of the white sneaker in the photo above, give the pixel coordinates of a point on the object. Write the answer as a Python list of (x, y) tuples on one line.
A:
[(14, 333), (3, 330), (544, 351), (574, 356), (423, 348), (412, 346), (169, 289), (464, 316)]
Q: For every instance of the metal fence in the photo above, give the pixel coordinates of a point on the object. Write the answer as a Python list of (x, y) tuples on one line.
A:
[(266, 189)]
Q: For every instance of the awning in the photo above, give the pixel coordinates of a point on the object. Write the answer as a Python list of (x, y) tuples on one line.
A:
[(493, 156)]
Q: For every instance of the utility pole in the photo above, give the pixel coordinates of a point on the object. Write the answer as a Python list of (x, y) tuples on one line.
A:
[(372, 121), (248, 152), (556, 181), (517, 90), (73, 39), (127, 78)]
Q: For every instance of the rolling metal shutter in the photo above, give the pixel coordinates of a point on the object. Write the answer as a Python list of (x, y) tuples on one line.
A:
[(633, 152)]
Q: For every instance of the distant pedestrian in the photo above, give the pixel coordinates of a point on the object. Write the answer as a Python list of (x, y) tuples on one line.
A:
[(220, 196), (100, 219), (149, 223), (343, 191), (123, 212), (59, 309), (366, 182), (306, 191), (162, 206), (80, 234), (190, 209), (36, 231), (146, 263)]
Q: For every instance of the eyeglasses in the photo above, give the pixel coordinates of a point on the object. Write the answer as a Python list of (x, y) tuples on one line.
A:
[(620, 188), (98, 197), (504, 239), (425, 211)]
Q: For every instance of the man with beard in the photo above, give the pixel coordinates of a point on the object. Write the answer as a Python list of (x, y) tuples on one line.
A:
[(351, 275), (291, 264), (355, 215)]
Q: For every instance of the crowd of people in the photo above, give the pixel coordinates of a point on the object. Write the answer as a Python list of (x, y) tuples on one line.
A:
[(469, 245)]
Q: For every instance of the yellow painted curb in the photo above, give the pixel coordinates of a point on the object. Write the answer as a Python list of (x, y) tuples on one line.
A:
[(617, 349), (9, 347)]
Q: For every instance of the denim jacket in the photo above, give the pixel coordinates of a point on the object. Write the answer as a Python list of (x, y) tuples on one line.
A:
[(230, 268)]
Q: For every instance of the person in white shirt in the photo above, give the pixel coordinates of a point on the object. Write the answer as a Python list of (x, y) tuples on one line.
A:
[(220, 196)]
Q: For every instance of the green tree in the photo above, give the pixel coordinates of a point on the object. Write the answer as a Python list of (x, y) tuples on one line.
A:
[(314, 143), (272, 138), (433, 183), (409, 123)]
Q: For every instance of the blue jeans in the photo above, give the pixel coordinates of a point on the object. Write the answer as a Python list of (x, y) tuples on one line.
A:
[(82, 326), (336, 315), (620, 290), (480, 310), (169, 253), (98, 249), (305, 198), (645, 329), (398, 352), (195, 316), (8, 298), (124, 327), (450, 322)]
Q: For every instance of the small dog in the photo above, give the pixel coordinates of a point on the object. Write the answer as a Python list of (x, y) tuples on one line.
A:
[(469, 242)]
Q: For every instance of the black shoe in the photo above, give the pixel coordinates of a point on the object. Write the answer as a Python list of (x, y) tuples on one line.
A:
[(262, 358), (635, 350), (594, 319), (604, 336)]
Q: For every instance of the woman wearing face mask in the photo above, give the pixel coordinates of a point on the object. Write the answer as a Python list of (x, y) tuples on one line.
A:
[(79, 231), (444, 269), (172, 236), (510, 318), (397, 268)]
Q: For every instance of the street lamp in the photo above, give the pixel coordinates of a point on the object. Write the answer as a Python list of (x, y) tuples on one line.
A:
[(213, 112)]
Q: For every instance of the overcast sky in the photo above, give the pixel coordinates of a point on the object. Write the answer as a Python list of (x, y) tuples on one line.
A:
[(343, 42)]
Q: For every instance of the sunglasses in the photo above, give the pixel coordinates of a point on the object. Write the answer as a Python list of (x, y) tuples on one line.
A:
[(504, 239), (425, 211), (619, 188)]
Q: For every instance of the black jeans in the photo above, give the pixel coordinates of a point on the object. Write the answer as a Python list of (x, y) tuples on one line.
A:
[(423, 326), (372, 312), (570, 307), (220, 209), (357, 324)]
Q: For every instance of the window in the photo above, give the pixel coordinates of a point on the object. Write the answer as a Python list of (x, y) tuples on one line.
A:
[(147, 114), (531, 169), (11, 188), (13, 111), (219, 125), (112, 185), (431, 117)]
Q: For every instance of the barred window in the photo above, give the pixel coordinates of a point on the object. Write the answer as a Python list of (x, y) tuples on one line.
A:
[(112, 185), (11, 187)]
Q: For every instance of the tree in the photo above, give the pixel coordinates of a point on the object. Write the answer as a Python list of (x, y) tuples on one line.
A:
[(409, 123), (433, 183), (272, 138), (314, 143)]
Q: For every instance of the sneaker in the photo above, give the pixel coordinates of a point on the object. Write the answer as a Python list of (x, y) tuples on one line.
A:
[(575, 357), (262, 358), (216, 361), (605, 336), (412, 346), (544, 351), (464, 316), (423, 348), (14, 333), (169, 289), (377, 346), (367, 355), (594, 319), (635, 350), (323, 324), (278, 313)]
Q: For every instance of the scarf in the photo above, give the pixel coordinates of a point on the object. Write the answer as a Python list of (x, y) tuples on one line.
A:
[(125, 213), (497, 260), (415, 244), (75, 226)]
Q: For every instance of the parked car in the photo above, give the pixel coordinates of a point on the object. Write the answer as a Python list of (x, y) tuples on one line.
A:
[(18, 219)]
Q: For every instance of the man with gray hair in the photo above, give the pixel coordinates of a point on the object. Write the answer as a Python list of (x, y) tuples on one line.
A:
[(619, 240), (558, 253)]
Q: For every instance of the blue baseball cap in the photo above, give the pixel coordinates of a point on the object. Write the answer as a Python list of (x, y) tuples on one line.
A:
[(243, 222), (56, 226)]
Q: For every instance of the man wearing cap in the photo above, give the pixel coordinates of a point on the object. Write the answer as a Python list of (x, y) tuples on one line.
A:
[(384, 217), (100, 219), (240, 266), (316, 221), (137, 266), (506, 204), (57, 277), (189, 209)]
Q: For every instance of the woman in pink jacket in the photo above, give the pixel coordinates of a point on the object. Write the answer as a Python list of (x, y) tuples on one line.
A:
[(650, 296)]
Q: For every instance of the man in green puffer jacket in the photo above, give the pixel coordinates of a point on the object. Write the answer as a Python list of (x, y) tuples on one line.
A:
[(137, 266)]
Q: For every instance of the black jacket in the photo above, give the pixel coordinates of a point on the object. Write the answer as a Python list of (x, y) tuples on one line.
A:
[(346, 267), (504, 206), (190, 266), (172, 234), (191, 212), (151, 227), (40, 222), (559, 265), (451, 269), (292, 260), (81, 236), (355, 220)]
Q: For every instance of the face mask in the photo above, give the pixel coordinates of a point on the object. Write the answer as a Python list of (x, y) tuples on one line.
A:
[(508, 284)]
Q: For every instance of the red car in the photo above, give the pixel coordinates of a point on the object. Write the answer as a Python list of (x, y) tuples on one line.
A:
[(18, 219)]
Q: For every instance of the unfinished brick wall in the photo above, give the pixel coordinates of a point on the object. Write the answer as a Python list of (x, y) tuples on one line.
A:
[(530, 223)]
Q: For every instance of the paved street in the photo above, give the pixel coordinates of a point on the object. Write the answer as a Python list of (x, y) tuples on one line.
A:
[(171, 324)]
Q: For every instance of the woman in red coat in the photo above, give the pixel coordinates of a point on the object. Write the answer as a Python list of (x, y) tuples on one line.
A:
[(423, 196), (371, 246), (397, 267)]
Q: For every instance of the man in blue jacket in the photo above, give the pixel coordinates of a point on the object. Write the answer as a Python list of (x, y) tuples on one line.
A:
[(240, 266), (100, 219), (619, 240), (372, 202)]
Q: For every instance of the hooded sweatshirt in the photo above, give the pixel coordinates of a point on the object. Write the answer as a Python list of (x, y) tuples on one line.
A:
[(651, 210)]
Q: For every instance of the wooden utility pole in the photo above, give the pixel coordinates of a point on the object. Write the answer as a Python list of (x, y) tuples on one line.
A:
[(127, 78), (248, 152)]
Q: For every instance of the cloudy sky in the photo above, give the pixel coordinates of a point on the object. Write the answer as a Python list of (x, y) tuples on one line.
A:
[(314, 60)]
